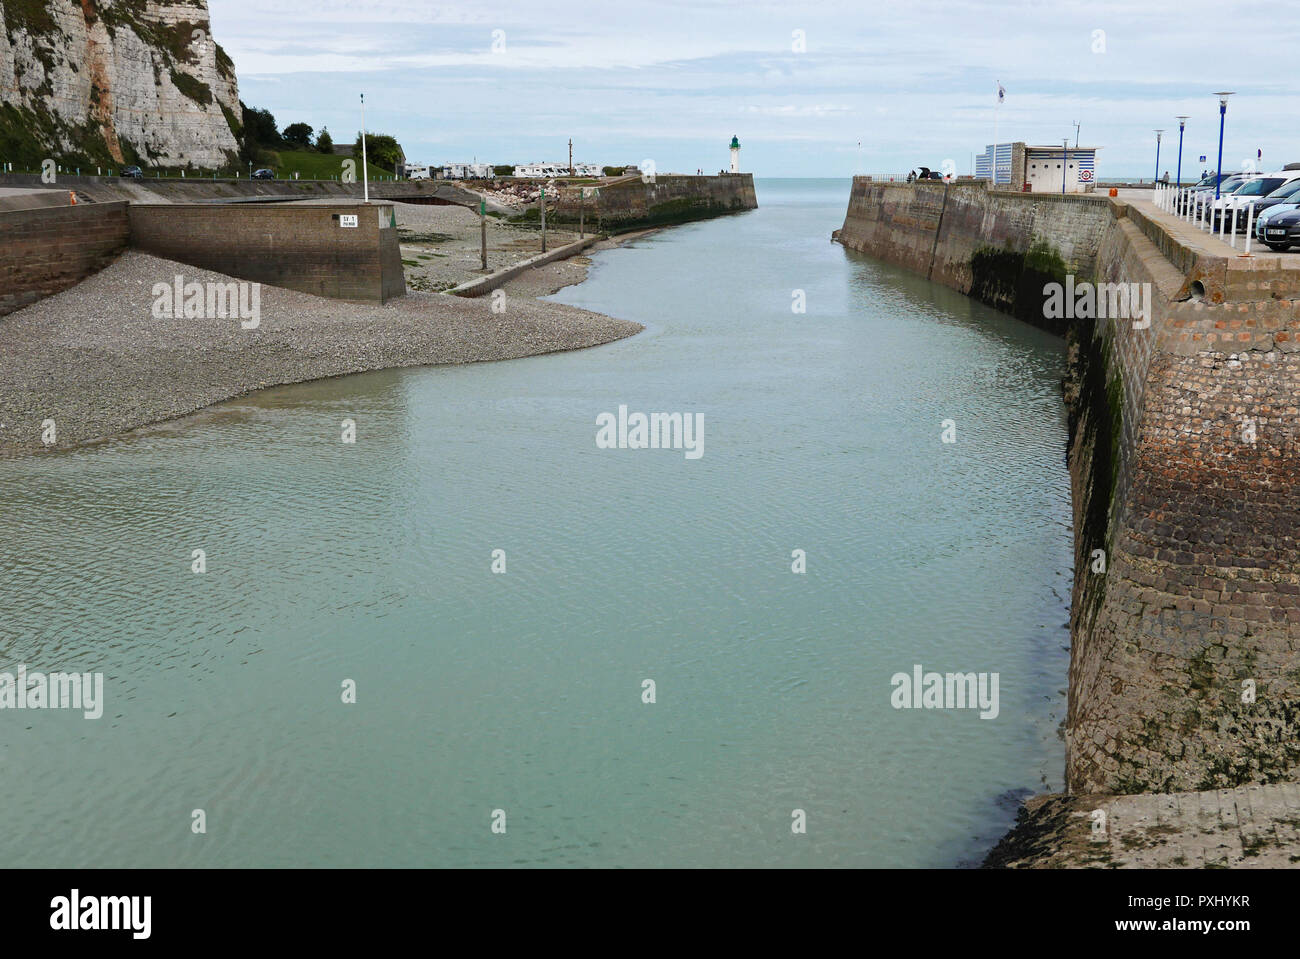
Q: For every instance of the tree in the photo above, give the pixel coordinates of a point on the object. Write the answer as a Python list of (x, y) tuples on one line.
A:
[(298, 134), (381, 150), (259, 131), (325, 142), (259, 127)]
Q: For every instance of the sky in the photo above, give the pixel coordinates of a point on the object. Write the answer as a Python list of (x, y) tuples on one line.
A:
[(801, 84)]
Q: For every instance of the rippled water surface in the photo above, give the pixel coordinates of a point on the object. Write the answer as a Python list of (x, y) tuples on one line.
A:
[(522, 691)]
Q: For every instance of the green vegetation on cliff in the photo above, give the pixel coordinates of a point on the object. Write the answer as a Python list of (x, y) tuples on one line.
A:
[(24, 135)]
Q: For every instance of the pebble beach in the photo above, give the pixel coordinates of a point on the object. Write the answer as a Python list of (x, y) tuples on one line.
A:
[(96, 361)]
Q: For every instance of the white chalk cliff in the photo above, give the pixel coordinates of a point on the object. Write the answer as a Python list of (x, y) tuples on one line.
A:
[(105, 73)]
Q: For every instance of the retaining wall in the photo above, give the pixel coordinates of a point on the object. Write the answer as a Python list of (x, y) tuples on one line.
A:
[(631, 203), (46, 250), (301, 247)]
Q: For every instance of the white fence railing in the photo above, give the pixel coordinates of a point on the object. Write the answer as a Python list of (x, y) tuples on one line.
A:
[(1223, 219)]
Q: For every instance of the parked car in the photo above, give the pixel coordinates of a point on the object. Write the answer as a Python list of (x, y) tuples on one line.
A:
[(132, 173), (1233, 208), (1271, 214), (1227, 183), (263, 174), (1281, 200), (1282, 230)]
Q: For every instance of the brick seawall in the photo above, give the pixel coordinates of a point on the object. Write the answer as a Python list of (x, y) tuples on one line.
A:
[(47, 250)]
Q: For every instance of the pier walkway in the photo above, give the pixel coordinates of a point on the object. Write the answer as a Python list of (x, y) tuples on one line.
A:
[(1189, 234)]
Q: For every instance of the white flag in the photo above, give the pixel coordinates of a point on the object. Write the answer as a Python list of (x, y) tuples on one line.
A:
[(1002, 93)]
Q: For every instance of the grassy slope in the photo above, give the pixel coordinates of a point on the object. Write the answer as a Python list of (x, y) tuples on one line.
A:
[(315, 166)]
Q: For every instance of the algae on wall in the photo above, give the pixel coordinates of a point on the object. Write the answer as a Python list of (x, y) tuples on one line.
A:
[(1012, 281)]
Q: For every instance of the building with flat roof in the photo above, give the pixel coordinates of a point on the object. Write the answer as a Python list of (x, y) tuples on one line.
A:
[(1039, 169)]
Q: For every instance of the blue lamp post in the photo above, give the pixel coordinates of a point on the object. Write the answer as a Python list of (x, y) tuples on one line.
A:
[(1182, 122), (1223, 112), (1159, 134)]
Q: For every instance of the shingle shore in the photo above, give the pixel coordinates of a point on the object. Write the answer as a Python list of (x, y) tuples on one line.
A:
[(96, 361)]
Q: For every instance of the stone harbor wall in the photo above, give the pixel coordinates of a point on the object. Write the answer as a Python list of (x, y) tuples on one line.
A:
[(1185, 471)]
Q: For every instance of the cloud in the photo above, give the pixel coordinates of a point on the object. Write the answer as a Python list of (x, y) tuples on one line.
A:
[(914, 82)]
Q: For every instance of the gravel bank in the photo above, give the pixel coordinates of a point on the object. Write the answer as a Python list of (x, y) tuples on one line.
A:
[(96, 361), (441, 244)]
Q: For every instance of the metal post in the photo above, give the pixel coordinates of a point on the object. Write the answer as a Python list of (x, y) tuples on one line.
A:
[(482, 224), (1159, 135), (542, 200), (1223, 112), (1065, 146), (1182, 122), (365, 170)]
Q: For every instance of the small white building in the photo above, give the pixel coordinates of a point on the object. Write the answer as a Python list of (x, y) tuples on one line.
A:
[(1049, 169), (1039, 169)]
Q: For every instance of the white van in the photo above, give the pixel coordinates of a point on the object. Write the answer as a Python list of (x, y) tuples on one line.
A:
[(417, 172)]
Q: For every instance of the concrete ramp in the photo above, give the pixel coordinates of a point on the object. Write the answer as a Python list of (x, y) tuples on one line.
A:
[(21, 199)]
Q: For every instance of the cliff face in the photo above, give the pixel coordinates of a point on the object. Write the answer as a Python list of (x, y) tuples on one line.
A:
[(115, 81)]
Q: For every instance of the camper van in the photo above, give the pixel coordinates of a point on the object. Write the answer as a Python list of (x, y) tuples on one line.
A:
[(542, 171), (417, 171)]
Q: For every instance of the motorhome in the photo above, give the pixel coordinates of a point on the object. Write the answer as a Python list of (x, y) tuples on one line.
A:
[(466, 171), (542, 171), (417, 171)]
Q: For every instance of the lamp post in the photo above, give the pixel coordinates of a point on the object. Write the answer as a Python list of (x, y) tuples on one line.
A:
[(365, 172), (1182, 122), (1159, 134), (1223, 112), (1065, 162)]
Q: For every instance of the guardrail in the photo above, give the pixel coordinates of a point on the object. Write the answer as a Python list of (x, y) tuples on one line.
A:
[(1200, 208)]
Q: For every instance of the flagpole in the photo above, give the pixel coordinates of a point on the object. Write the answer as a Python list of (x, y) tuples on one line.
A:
[(365, 172), (997, 106)]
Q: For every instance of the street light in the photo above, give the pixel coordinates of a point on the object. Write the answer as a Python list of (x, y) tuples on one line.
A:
[(1159, 134), (1182, 122), (1223, 112), (365, 168)]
